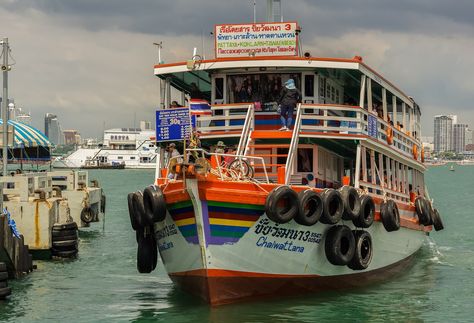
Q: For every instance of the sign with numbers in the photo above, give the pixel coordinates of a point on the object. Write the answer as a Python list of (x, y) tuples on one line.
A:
[(173, 124), (372, 126)]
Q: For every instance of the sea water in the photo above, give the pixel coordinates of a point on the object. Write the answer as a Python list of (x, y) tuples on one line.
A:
[(103, 284)]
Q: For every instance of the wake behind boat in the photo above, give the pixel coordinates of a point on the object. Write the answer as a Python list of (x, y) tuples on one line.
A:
[(337, 201)]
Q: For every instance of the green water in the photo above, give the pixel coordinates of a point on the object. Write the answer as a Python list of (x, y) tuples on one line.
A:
[(102, 285)]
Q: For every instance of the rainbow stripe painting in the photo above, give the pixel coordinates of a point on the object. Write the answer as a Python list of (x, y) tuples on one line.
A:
[(228, 222), (183, 216)]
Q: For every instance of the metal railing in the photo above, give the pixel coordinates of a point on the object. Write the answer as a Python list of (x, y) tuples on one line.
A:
[(232, 119), (221, 166), (246, 131)]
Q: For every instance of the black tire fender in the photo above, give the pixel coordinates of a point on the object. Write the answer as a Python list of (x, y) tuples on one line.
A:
[(422, 210), (4, 292), (281, 195), (367, 212), (351, 201), (146, 254), (310, 208), (363, 250), (390, 215), (333, 206), (87, 215), (131, 212), (154, 203), (139, 210), (339, 245), (437, 222)]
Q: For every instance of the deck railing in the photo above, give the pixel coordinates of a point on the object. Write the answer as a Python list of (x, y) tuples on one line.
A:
[(229, 120)]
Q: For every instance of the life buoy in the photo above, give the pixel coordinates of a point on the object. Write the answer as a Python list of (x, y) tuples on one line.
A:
[(351, 201), (333, 206), (422, 154), (389, 134), (366, 213), (310, 208), (390, 216), (415, 152), (87, 215), (363, 250), (281, 205), (437, 222), (422, 210), (154, 204), (339, 245)]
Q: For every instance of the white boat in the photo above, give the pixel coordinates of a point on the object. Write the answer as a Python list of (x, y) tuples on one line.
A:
[(328, 205), (131, 147)]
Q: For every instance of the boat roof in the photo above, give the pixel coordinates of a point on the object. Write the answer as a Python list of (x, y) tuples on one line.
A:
[(27, 136), (199, 68)]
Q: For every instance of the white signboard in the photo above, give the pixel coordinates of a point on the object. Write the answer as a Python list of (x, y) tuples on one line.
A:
[(260, 39)]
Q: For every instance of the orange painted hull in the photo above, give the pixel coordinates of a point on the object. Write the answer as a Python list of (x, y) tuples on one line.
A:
[(218, 287)]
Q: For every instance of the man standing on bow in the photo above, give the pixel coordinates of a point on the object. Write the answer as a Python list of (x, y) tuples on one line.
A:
[(289, 97)]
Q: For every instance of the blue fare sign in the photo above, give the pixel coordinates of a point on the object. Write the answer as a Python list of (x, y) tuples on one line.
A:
[(372, 126), (173, 124)]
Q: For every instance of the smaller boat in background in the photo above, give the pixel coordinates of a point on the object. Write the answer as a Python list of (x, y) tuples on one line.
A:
[(452, 168)]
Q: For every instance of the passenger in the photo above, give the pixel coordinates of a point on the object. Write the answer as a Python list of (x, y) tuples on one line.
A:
[(220, 149), (229, 159), (175, 104), (173, 154), (289, 97)]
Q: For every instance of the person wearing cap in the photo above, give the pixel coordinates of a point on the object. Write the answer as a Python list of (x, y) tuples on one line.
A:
[(220, 147), (289, 97)]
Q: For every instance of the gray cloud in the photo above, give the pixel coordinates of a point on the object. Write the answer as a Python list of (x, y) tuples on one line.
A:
[(91, 62)]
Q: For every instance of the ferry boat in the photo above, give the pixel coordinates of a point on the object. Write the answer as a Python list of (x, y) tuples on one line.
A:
[(338, 201), (121, 148)]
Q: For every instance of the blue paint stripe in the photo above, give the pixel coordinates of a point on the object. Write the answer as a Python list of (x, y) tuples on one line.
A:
[(181, 210), (228, 228), (188, 227)]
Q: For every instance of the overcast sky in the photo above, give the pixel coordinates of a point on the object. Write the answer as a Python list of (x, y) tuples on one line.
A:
[(91, 61)]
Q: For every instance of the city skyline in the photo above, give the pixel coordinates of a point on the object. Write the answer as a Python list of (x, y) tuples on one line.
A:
[(450, 135)]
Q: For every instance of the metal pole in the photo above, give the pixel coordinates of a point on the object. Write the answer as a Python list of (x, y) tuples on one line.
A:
[(5, 105)]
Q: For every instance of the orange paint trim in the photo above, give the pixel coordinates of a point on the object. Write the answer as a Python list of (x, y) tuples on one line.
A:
[(233, 273)]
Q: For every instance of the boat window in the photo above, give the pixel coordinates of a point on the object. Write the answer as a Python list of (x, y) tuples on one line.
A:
[(120, 157), (305, 160), (309, 85), (132, 157), (219, 88), (263, 88)]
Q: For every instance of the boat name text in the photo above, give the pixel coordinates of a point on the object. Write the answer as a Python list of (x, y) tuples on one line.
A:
[(264, 228)]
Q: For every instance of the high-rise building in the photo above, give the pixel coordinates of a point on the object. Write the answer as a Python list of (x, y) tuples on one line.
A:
[(459, 137), (468, 135), (71, 137), (443, 133), (52, 129)]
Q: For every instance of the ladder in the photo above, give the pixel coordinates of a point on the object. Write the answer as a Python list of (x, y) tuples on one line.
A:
[(249, 126), (293, 145)]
